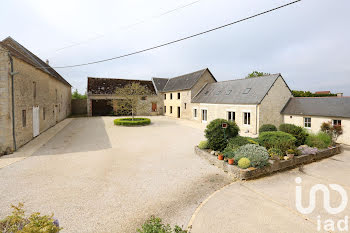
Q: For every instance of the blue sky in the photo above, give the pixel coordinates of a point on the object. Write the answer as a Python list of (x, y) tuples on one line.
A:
[(308, 42)]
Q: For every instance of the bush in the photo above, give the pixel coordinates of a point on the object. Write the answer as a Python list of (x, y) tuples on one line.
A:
[(244, 163), (131, 122), (298, 132), (321, 140), (215, 133), (278, 139), (267, 128), (229, 154), (203, 145), (333, 130), (276, 153), (155, 225), (234, 143), (18, 222), (257, 155)]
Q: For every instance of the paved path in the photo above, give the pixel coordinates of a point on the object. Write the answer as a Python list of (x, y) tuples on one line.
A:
[(97, 177), (268, 204)]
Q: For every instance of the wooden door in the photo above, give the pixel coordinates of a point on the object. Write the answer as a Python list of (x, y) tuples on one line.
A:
[(154, 107)]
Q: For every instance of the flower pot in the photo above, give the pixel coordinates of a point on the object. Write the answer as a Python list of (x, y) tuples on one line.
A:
[(231, 161), (220, 157)]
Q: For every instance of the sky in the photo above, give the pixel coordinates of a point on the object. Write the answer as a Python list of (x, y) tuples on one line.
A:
[(307, 42)]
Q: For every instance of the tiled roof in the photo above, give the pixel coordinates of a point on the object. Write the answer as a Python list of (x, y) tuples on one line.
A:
[(239, 91), (20, 52), (108, 86), (318, 106), (159, 83), (183, 82)]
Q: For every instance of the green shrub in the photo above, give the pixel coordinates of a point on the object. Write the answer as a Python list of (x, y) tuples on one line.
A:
[(244, 163), (278, 139), (215, 133), (253, 140), (321, 140), (131, 122), (267, 128), (155, 225), (257, 155), (18, 222), (235, 142), (298, 132), (275, 153), (203, 145), (229, 154)]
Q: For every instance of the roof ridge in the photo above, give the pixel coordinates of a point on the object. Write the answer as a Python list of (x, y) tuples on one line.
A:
[(315, 97), (232, 80), (121, 79)]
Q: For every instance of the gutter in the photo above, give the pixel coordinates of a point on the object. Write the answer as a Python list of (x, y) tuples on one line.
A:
[(13, 103)]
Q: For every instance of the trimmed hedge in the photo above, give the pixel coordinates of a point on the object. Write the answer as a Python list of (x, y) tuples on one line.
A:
[(131, 122), (298, 132), (278, 139), (215, 133), (267, 128)]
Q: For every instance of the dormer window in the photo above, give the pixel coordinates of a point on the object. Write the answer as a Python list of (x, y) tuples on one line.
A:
[(246, 91)]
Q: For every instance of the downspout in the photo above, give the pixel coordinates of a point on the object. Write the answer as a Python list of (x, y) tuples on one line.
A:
[(13, 103)]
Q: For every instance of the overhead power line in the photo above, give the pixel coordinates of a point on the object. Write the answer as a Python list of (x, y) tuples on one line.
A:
[(178, 40)]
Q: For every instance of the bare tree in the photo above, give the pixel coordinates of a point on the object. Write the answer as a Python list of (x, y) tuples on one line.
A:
[(131, 99)]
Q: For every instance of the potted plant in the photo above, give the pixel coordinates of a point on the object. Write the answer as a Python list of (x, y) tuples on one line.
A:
[(220, 156), (229, 155), (290, 153)]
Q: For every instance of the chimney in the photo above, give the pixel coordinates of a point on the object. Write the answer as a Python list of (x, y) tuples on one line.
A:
[(339, 94), (47, 61)]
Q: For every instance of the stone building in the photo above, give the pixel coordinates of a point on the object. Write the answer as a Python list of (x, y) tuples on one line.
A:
[(101, 91), (33, 96), (311, 112)]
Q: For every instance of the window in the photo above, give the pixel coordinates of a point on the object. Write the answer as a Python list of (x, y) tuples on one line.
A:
[(56, 95), (195, 113), (34, 90), (204, 115), (165, 96), (171, 96), (307, 122), (171, 109), (178, 95), (24, 118), (228, 92), (337, 122), (185, 105), (246, 118), (231, 116), (44, 113), (246, 91), (291, 117), (218, 93), (164, 109)]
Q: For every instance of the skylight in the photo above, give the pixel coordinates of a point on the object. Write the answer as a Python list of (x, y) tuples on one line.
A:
[(228, 92), (218, 93), (246, 91)]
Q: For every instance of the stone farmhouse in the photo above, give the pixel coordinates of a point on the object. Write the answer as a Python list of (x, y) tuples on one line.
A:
[(33, 96), (249, 102)]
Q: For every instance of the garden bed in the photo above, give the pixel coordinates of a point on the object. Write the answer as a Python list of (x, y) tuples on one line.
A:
[(274, 165), (132, 122)]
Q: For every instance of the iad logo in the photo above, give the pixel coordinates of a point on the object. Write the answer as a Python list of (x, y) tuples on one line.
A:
[(329, 224)]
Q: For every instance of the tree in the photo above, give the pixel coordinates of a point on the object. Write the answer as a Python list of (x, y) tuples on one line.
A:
[(77, 95), (309, 94), (256, 74), (333, 130), (131, 99)]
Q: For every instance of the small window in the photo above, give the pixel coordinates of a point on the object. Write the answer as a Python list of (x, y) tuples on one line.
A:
[(337, 122), (171, 109), (24, 118), (44, 113), (206, 93), (165, 96), (291, 117), (185, 105), (218, 93), (195, 113), (246, 118), (204, 115), (34, 90), (307, 122), (56, 95), (247, 90), (231, 116), (228, 92), (178, 95), (171, 96)]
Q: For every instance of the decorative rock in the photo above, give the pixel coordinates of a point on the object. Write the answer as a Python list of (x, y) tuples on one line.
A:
[(212, 152), (216, 153)]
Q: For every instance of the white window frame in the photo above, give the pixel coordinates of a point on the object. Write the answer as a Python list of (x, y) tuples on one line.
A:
[(206, 120), (307, 122), (227, 114), (195, 116), (337, 121), (249, 122)]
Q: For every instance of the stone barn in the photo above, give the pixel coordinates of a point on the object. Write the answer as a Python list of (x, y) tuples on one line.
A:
[(33, 96)]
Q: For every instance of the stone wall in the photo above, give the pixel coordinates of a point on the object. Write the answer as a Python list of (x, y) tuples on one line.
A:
[(79, 106)]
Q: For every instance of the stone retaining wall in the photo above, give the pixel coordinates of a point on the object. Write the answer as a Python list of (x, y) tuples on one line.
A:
[(275, 165)]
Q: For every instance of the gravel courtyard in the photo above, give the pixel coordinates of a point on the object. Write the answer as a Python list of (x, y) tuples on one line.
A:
[(97, 177)]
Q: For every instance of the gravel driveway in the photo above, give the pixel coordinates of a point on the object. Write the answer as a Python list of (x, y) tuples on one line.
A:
[(97, 177)]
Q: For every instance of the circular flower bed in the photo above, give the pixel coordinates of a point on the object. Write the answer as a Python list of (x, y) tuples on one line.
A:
[(131, 122)]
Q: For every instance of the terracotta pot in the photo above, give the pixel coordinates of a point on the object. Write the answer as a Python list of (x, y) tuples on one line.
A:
[(220, 157), (231, 161)]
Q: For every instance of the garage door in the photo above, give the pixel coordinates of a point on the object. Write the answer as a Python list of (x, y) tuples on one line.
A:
[(101, 108)]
